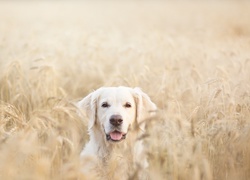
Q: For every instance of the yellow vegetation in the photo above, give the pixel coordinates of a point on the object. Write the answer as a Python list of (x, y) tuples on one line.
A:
[(192, 58)]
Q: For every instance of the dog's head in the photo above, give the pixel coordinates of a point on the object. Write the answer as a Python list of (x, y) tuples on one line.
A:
[(114, 109)]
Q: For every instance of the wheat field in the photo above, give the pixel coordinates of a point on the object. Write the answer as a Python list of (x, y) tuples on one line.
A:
[(191, 57)]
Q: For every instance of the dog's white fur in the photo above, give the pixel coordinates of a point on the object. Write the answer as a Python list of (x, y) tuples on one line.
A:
[(115, 160)]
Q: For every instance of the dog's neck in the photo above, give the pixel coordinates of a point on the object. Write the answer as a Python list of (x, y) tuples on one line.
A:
[(104, 148), (116, 158)]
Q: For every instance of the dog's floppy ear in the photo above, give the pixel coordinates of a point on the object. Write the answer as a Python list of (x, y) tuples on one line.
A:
[(145, 108), (89, 105)]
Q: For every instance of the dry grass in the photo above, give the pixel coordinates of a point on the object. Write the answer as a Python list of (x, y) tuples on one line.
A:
[(192, 58)]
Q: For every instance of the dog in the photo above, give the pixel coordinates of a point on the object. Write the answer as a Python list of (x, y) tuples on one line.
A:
[(116, 124)]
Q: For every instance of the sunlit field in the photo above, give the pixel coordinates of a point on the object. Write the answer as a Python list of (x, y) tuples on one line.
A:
[(191, 57)]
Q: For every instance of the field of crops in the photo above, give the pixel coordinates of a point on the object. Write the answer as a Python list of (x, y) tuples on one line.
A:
[(191, 57)]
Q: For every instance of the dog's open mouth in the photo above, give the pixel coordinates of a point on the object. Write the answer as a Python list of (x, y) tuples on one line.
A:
[(116, 136)]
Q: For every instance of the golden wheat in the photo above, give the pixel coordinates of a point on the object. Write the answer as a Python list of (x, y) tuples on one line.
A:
[(192, 58)]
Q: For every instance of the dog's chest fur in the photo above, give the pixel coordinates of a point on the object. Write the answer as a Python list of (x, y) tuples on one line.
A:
[(119, 161), (115, 160)]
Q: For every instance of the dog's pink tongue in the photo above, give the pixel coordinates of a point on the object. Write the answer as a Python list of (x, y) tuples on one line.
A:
[(116, 135)]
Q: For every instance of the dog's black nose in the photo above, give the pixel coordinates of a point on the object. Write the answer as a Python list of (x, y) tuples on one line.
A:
[(116, 120)]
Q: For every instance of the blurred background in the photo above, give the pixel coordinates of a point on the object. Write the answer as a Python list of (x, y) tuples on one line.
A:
[(191, 57)]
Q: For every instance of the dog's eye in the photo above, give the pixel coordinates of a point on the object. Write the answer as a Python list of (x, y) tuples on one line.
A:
[(105, 105), (127, 105)]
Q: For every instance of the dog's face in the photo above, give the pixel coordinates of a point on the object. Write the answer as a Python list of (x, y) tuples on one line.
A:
[(114, 110)]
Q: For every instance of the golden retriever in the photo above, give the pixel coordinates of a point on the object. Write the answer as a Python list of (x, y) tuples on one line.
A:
[(116, 121)]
